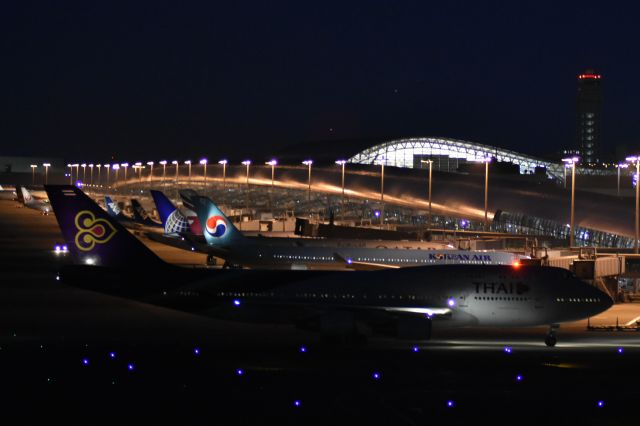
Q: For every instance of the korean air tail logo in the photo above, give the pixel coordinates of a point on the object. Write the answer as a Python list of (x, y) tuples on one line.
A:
[(92, 231), (216, 226)]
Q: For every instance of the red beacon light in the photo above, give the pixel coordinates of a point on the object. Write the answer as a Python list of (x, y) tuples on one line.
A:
[(590, 76), (516, 264)]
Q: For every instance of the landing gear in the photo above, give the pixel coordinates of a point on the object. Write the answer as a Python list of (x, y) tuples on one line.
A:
[(551, 338)]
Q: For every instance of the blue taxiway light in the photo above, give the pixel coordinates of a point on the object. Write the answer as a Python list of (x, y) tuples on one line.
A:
[(303, 349), (196, 351), (507, 349), (600, 403), (85, 361), (239, 372), (296, 403), (112, 355), (519, 378), (377, 375), (450, 403), (236, 302), (130, 367), (415, 349), (620, 350)]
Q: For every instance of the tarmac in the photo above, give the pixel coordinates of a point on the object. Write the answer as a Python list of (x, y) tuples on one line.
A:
[(73, 353)]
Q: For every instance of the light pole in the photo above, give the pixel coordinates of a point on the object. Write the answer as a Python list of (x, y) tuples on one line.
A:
[(247, 163), (175, 163), (308, 163), (342, 163), (137, 166), (620, 166), (125, 165), (273, 164), (84, 172), (77, 166), (224, 163), (430, 167), (70, 166), (381, 162), (150, 164), (91, 174), (115, 167), (46, 172), (636, 160), (164, 170), (572, 161), (486, 162), (204, 164), (188, 162), (33, 173), (108, 169), (99, 166)]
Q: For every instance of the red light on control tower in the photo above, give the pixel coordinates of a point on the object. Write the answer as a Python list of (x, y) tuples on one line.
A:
[(590, 76)]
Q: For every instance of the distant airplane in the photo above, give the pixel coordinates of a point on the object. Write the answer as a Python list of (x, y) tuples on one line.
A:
[(7, 194), (301, 253), (114, 211), (404, 303), (141, 216), (25, 197)]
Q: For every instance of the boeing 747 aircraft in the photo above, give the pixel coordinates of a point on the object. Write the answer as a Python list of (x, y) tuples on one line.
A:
[(400, 302)]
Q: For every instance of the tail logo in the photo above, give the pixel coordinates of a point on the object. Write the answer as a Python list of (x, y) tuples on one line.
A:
[(92, 231), (216, 226)]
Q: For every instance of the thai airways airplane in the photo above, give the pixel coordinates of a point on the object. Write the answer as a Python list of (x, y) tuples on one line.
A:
[(404, 302), (227, 242), (25, 197)]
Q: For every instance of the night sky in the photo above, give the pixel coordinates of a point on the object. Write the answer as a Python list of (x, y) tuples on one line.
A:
[(148, 79)]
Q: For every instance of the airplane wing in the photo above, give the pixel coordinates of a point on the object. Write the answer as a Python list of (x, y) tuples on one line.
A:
[(362, 266)]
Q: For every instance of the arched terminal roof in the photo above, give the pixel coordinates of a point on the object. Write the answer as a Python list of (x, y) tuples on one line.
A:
[(401, 152)]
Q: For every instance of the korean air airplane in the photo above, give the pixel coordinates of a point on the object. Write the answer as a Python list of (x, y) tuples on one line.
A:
[(296, 253), (405, 303)]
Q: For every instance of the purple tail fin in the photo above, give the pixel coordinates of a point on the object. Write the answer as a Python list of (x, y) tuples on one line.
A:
[(94, 237)]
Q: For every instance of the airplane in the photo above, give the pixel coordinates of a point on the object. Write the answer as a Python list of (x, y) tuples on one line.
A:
[(225, 241), (188, 196), (174, 223), (7, 194), (141, 216), (25, 197), (114, 211), (404, 303)]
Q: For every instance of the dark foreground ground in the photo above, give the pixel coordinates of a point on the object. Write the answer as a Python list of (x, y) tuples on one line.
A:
[(69, 356)]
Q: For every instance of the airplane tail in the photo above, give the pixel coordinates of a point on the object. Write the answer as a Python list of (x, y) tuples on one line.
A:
[(139, 213), (92, 235), (25, 196), (19, 193), (112, 207), (188, 196), (217, 228), (173, 221)]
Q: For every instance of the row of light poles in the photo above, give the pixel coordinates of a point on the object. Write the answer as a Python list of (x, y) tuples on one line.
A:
[(46, 172)]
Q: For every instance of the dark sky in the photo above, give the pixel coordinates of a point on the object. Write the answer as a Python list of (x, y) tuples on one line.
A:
[(148, 79)]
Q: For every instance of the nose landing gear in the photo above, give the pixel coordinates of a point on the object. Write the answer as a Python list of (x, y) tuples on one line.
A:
[(551, 338)]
